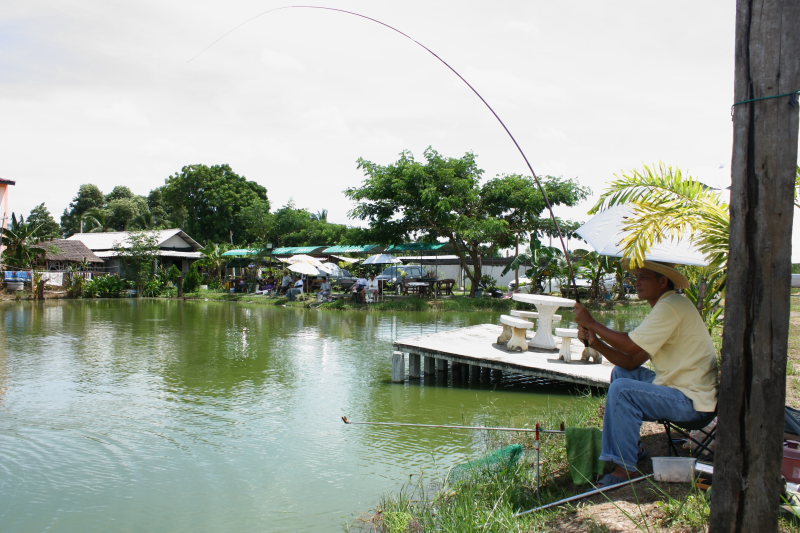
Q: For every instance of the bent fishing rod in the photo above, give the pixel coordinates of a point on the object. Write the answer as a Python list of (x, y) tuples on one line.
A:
[(468, 84)]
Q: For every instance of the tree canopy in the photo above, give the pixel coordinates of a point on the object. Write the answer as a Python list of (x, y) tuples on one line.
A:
[(89, 196), (46, 226), (206, 202), (443, 198)]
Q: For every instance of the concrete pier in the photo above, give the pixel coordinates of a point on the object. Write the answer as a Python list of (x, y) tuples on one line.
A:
[(476, 347)]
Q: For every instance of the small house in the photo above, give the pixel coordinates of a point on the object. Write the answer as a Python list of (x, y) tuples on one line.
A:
[(175, 247), (64, 254)]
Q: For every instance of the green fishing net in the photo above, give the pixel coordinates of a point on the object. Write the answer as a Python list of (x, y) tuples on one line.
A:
[(501, 459)]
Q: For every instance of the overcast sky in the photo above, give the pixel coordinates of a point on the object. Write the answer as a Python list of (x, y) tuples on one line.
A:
[(115, 93)]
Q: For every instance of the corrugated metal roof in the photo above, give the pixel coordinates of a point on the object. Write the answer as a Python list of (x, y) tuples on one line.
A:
[(416, 247), (109, 239), (161, 253), (350, 249), (291, 250)]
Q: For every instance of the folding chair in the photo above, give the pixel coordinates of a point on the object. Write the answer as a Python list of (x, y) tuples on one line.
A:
[(699, 434)]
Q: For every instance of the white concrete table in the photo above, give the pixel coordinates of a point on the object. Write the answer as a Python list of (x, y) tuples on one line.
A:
[(546, 306)]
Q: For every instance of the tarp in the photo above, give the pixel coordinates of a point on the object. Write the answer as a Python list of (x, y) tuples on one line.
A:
[(291, 250), (17, 275), (349, 249), (416, 247), (241, 252)]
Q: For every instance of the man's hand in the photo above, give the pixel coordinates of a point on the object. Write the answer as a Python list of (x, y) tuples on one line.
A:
[(586, 336), (582, 316)]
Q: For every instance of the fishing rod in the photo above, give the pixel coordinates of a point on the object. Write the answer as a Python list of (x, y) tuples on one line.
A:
[(468, 84), (443, 426), (598, 490)]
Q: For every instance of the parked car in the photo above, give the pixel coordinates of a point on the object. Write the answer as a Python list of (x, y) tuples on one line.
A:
[(339, 276), (399, 274)]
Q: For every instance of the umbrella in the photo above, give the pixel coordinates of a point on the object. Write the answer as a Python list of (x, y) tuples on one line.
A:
[(331, 268), (604, 232), (304, 268), (381, 259), (303, 258)]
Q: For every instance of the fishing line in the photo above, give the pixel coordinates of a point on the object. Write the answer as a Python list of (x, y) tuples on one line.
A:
[(454, 71), (538, 429)]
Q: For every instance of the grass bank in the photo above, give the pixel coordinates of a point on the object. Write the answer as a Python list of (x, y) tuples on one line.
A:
[(392, 303), (489, 501), (402, 303)]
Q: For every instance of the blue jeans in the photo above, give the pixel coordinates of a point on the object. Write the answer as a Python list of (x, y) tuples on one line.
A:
[(632, 398)]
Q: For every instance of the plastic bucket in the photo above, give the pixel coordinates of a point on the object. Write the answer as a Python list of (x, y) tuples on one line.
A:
[(791, 461), (674, 469)]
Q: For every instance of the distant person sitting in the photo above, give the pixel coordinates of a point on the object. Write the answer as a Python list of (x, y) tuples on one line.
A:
[(286, 282), (297, 290), (373, 288), (360, 289), (269, 286), (324, 289)]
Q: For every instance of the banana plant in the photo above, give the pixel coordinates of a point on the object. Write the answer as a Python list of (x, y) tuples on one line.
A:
[(19, 242), (594, 267), (540, 262)]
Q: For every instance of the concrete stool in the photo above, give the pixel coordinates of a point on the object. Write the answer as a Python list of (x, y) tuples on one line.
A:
[(591, 353), (514, 333), (566, 335), (524, 314)]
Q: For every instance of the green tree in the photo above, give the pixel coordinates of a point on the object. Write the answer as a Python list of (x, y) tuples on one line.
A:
[(19, 240), (96, 220), (119, 192), (290, 225), (594, 267), (541, 263), (139, 258), (125, 213), (443, 199), (518, 200), (41, 218), (158, 217), (257, 222), (205, 201), (214, 261), (89, 196)]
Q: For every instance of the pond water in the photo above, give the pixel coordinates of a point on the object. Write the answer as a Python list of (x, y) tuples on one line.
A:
[(154, 415)]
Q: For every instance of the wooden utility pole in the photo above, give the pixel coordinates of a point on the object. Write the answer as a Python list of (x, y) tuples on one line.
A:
[(753, 386)]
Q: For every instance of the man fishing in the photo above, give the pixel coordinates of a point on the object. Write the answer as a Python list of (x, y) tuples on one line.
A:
[(683, 383)]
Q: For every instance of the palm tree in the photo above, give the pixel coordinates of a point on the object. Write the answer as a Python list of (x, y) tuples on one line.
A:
[(213, 258), (667, 205), (594, 267), (542, 262), (321, 215), (96, 220)]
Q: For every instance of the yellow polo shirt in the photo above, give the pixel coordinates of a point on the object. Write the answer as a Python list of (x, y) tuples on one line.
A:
[(681, 350)]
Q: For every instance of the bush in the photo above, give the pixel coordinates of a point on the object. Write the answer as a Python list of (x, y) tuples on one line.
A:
[(192, 280), (108, 286), (76, 285)]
